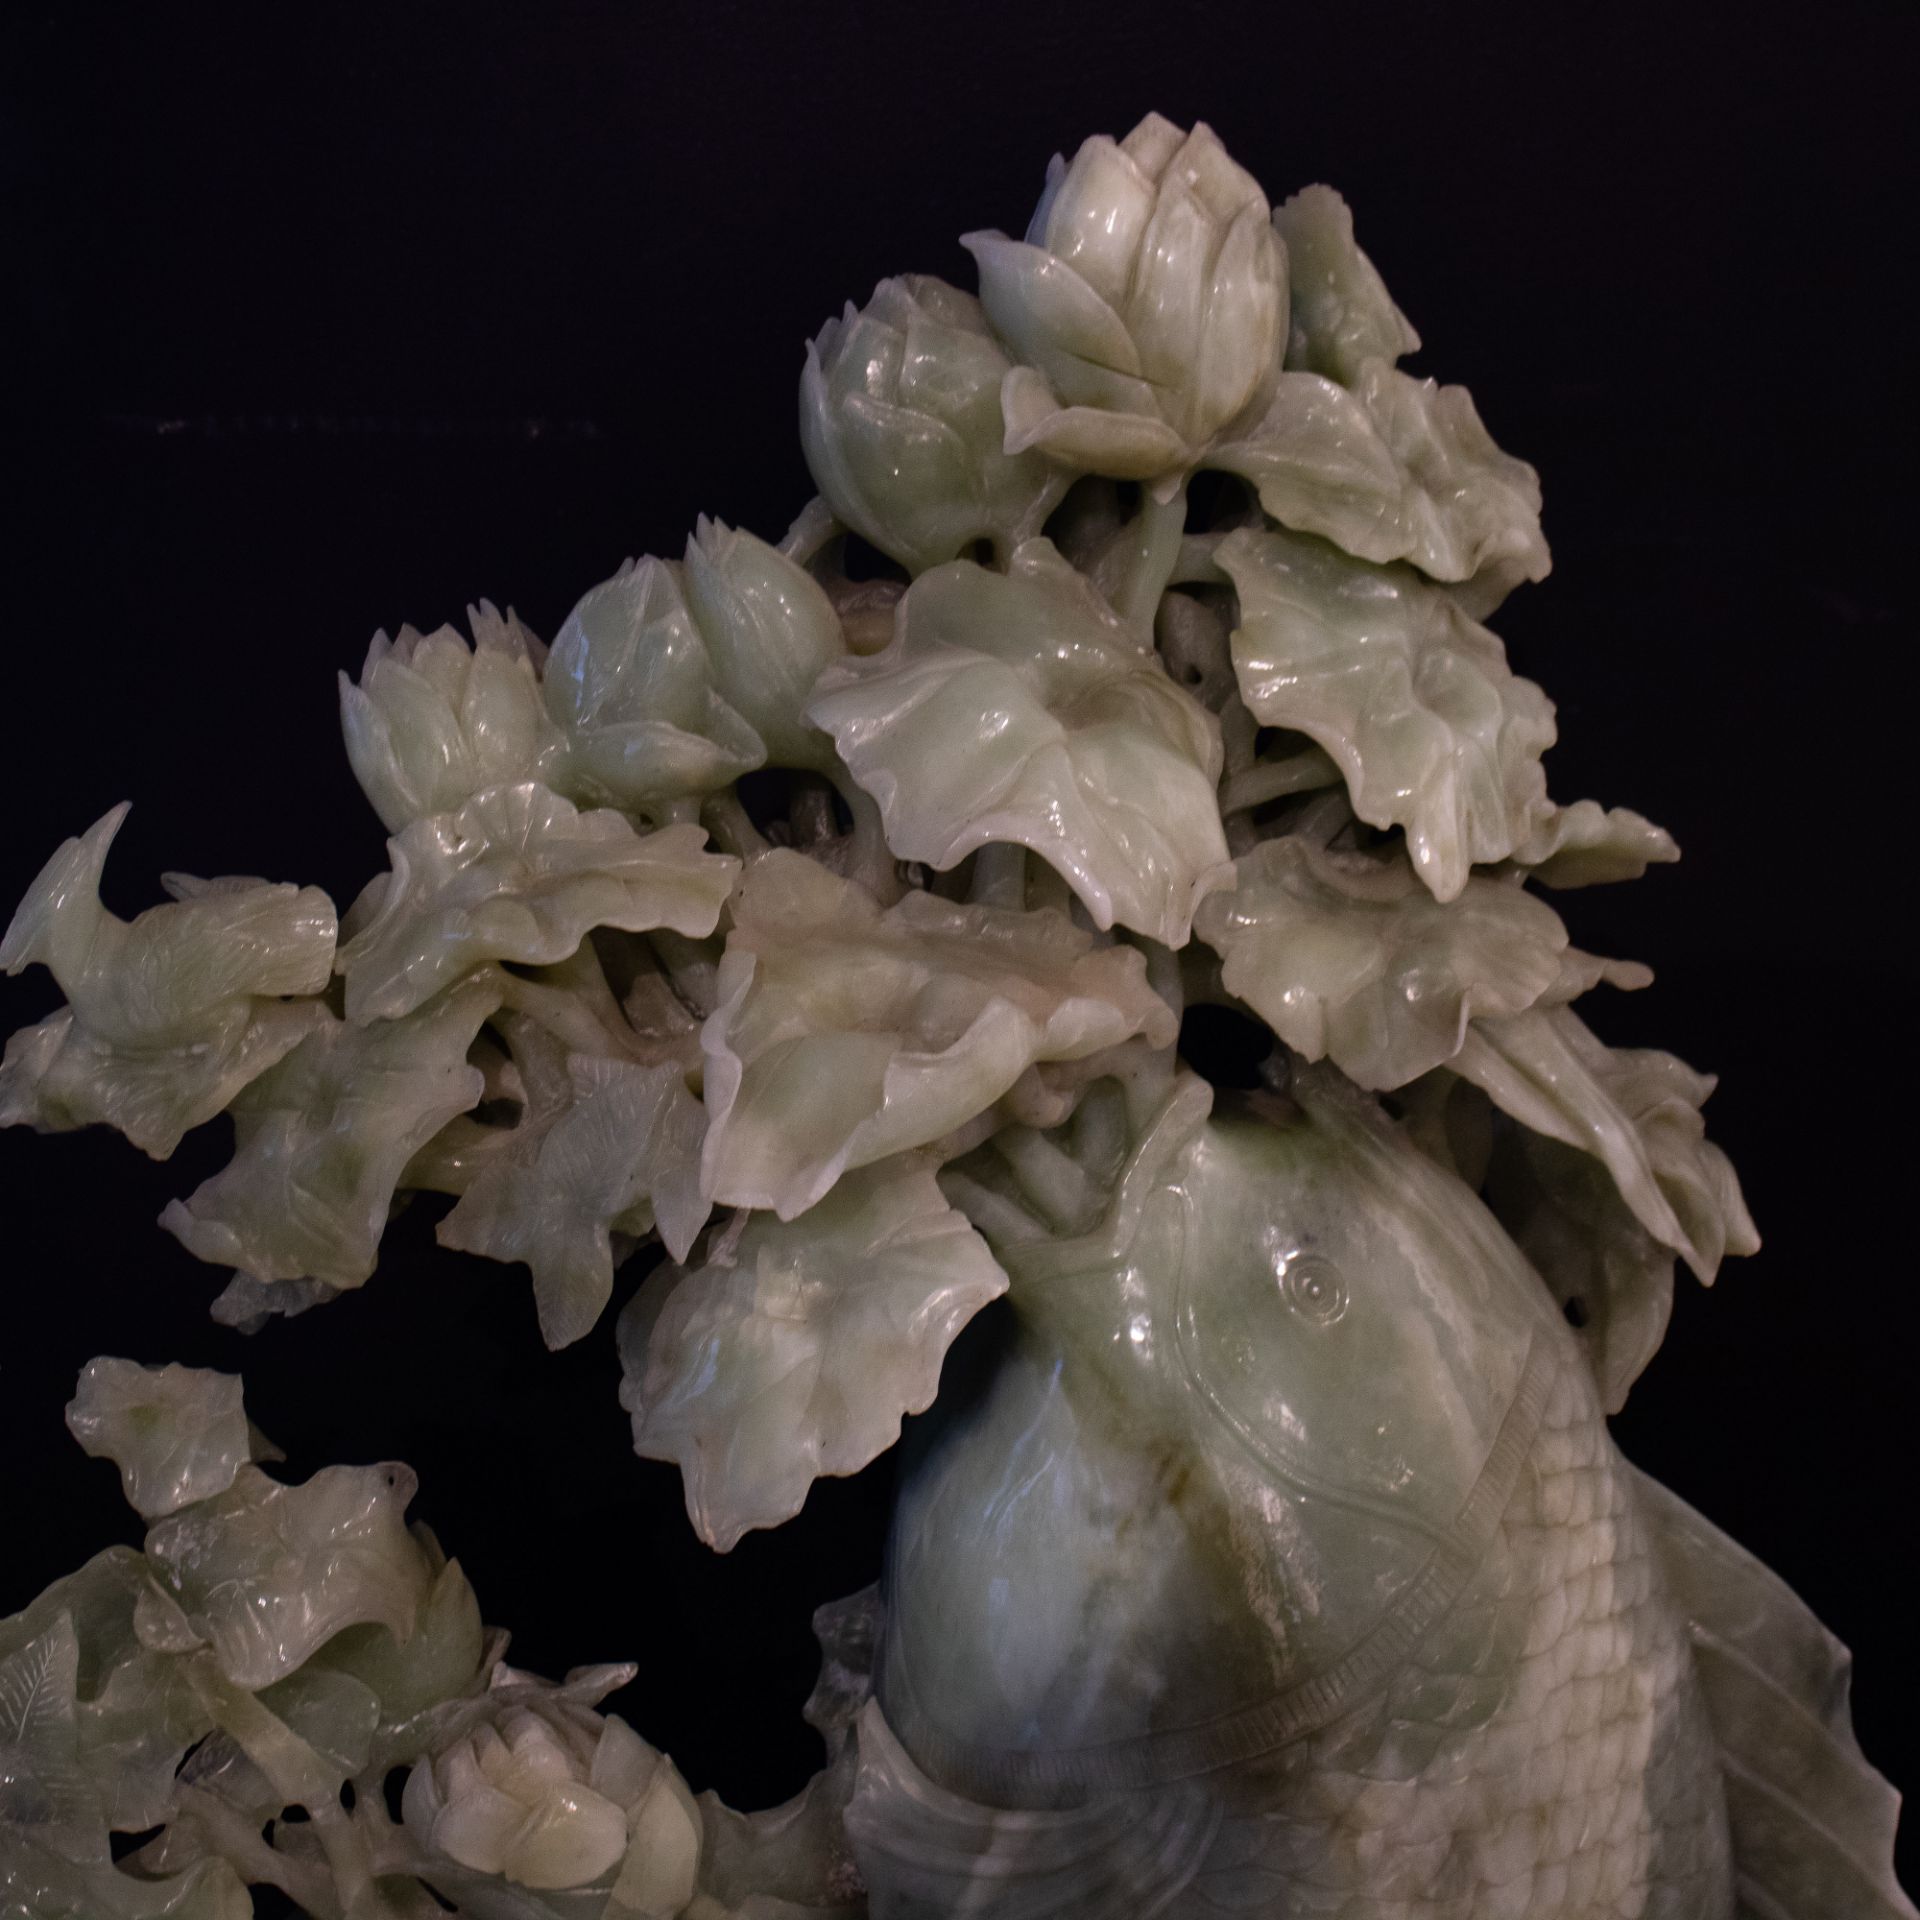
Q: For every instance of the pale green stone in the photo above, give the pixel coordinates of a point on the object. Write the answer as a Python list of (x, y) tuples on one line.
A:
[(796, 1347), (845, 1033), (1267, 1547), (177, 1434), (1413, 701), (1079, 746), (170, 1014)]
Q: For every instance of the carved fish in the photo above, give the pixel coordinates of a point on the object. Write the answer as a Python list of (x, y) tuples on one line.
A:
[(1282, 1564)]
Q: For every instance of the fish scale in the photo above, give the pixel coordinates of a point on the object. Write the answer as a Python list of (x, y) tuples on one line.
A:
[(1542, 1755)]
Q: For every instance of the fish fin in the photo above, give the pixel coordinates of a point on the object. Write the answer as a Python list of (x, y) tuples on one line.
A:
[(928, 1854), (1812, 1822)]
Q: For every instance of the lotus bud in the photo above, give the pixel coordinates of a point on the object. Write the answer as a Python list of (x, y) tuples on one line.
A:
[(770, 632), (1148, 303), (433, 721), (901, 424)]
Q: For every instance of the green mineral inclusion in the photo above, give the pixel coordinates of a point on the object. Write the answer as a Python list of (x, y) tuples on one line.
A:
[(1263, 1548)]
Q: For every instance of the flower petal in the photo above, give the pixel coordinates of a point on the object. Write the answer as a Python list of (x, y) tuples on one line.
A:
[(1054, 321), (1124, 446), (1096, 215)]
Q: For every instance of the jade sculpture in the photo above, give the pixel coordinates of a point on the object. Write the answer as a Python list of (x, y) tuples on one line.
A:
[(828, 912)]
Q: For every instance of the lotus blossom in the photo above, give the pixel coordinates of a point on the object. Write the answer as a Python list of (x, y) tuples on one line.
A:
[(1147, 303), (528, 1782), (901, 423)]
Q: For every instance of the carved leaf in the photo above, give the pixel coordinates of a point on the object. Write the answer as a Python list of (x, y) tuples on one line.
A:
[(796, 1349), (845, 1033), (1020, 708)]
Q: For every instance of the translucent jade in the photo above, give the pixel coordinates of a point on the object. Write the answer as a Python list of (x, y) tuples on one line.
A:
[(1263, 1550)]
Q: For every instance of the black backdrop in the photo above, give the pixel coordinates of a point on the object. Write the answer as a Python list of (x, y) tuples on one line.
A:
[(316, 327)]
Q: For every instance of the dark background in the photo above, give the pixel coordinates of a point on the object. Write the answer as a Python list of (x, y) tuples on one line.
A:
[(309, 329)]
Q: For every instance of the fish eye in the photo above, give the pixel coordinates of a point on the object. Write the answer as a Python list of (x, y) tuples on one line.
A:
[(1313, 1289)]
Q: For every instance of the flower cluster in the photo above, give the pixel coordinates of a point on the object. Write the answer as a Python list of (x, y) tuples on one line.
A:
[(243, 1689), (736, 918)]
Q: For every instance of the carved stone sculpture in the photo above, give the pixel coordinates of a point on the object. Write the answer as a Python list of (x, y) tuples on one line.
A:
[(828, 912)]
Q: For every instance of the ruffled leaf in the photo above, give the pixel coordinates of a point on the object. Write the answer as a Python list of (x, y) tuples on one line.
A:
[(845, 1033), (1348, 956), (1340, 315), (796, 1352), (518, 874), (615, 1147), (134, 1718), (1076, 742), (177, 1434), (1636, 1110), (901, 425), (266, 1573), (1414, 702), (320, 1144), (170, 1014), (433, 721), (1396, 469), (1587, 845)]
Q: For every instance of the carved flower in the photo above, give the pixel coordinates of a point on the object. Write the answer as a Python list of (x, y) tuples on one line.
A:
[(901, 424), (673, 680), (1019, 707), (169, 1014), (1147, 303), (530, 1784), (433, 721)]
